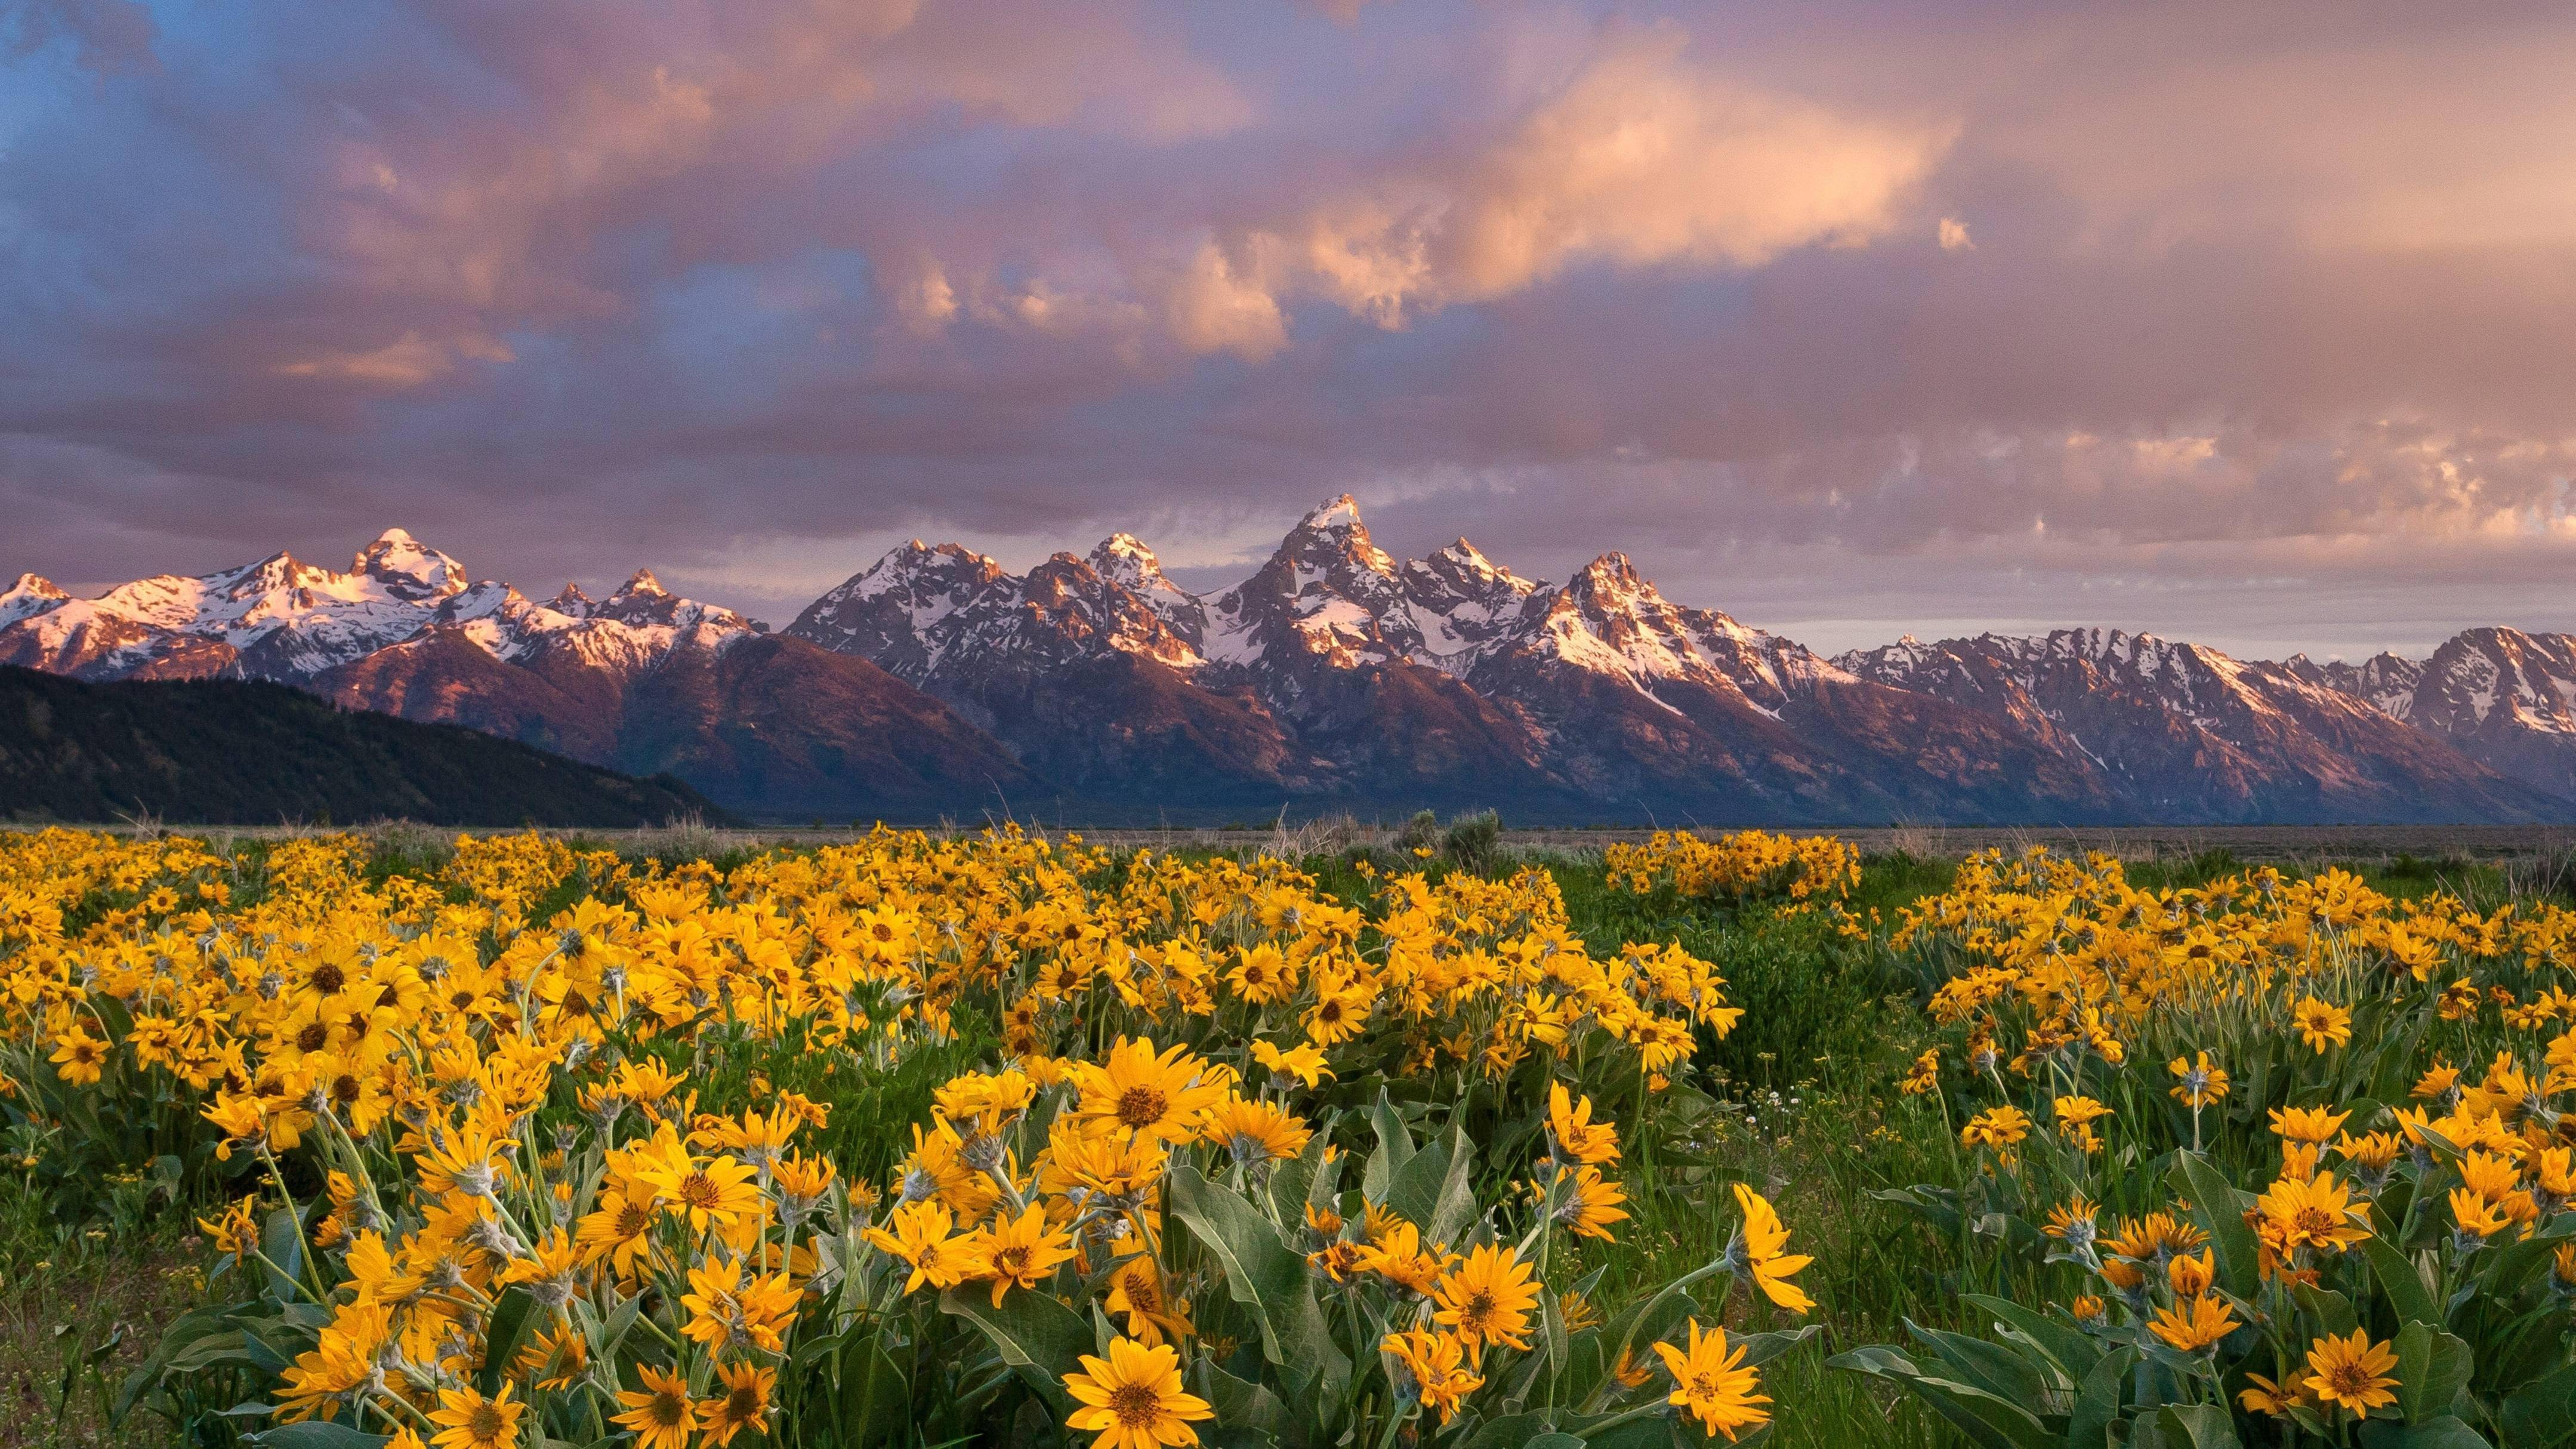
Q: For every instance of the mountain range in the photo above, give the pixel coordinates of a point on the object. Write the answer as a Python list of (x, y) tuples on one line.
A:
[(938, 683)]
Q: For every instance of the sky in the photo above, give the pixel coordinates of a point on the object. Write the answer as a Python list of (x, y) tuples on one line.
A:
[(2253, 325)]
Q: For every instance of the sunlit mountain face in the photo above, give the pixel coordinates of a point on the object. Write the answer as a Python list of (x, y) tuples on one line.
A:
[(937, 683)]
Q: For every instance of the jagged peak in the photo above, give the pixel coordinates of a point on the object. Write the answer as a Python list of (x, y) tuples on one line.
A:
[(1467, 556), (1611, 570), (1336, 515), (408, 566), (1126, 558)]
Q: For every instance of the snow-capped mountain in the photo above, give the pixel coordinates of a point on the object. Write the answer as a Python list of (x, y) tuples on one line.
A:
[(1335, 669), (2503, 697), (644, 679), (1338, 676), (2191, 733)]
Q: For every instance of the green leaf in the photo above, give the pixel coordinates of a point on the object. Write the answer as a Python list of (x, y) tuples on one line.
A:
[(1761, 1348), (281, 1241), (2097, 1401), (2445, 1432), (1988, 1420), (2221, 1212), (876, 1400), (1040, 1337), (2196, 1426), (2069, 1348), (1266, 1276), (2402, 1282), (2432, 1368), (1246, 1413), (1394, 1149), (1415, 1193), (2542, 1411), (1456, 1207), (317, 1434), (1293, 1179), (501, 1340), (1992, 1367)]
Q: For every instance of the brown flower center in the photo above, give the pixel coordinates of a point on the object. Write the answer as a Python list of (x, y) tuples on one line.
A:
[(1136, 1404), (1142, 1106)]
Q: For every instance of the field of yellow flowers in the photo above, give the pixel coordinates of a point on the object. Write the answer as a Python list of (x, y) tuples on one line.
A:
[(904, 1141), (1005, 1140)]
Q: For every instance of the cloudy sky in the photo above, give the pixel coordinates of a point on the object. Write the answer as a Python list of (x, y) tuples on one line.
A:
[(2250, 324)]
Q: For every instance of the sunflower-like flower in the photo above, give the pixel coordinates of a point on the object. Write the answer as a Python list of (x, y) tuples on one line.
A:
[(2312, 1212), (467, 1420), (1139, 1092), (1133, 1399), (2352, 1373), (1765, 1240), (2322, 1024), (1021, 1251), (1577, 1136), (2195, 1324), (1486, 1298), (1439, 1366), (661, 1412), (1713, 1385)]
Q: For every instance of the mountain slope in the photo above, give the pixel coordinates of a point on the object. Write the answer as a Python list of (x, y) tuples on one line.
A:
[(2500, 696), (243, 753), (2191, 734)]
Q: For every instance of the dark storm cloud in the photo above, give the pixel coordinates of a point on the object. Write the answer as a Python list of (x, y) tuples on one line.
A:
[(1840, 317)]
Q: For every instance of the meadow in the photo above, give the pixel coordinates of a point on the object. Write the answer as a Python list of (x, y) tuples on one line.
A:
[(394, 1139)]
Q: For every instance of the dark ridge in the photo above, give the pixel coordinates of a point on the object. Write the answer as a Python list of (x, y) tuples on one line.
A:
[(232, 752)]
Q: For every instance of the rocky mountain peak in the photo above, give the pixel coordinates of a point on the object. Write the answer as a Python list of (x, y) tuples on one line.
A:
[(1124, 557), (407, 568), (31, 595), (641, 584)]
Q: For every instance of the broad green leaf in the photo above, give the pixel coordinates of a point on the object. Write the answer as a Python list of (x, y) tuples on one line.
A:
[(1246, 1412), (2069, 1348), (1293, 1179), (1761, 1348), (2197, 1426), (281, 1241), (1394, 1149), (2097, 1401), (2402, 1282), (501, 1339), (1989, 1366), (2542, 1411), (1992, 1422), (1415, 1193), (1040, 1337), (2432, 1368), (2221, 1212), (876, 1399), (2445, 1432), (1265, 1275)]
